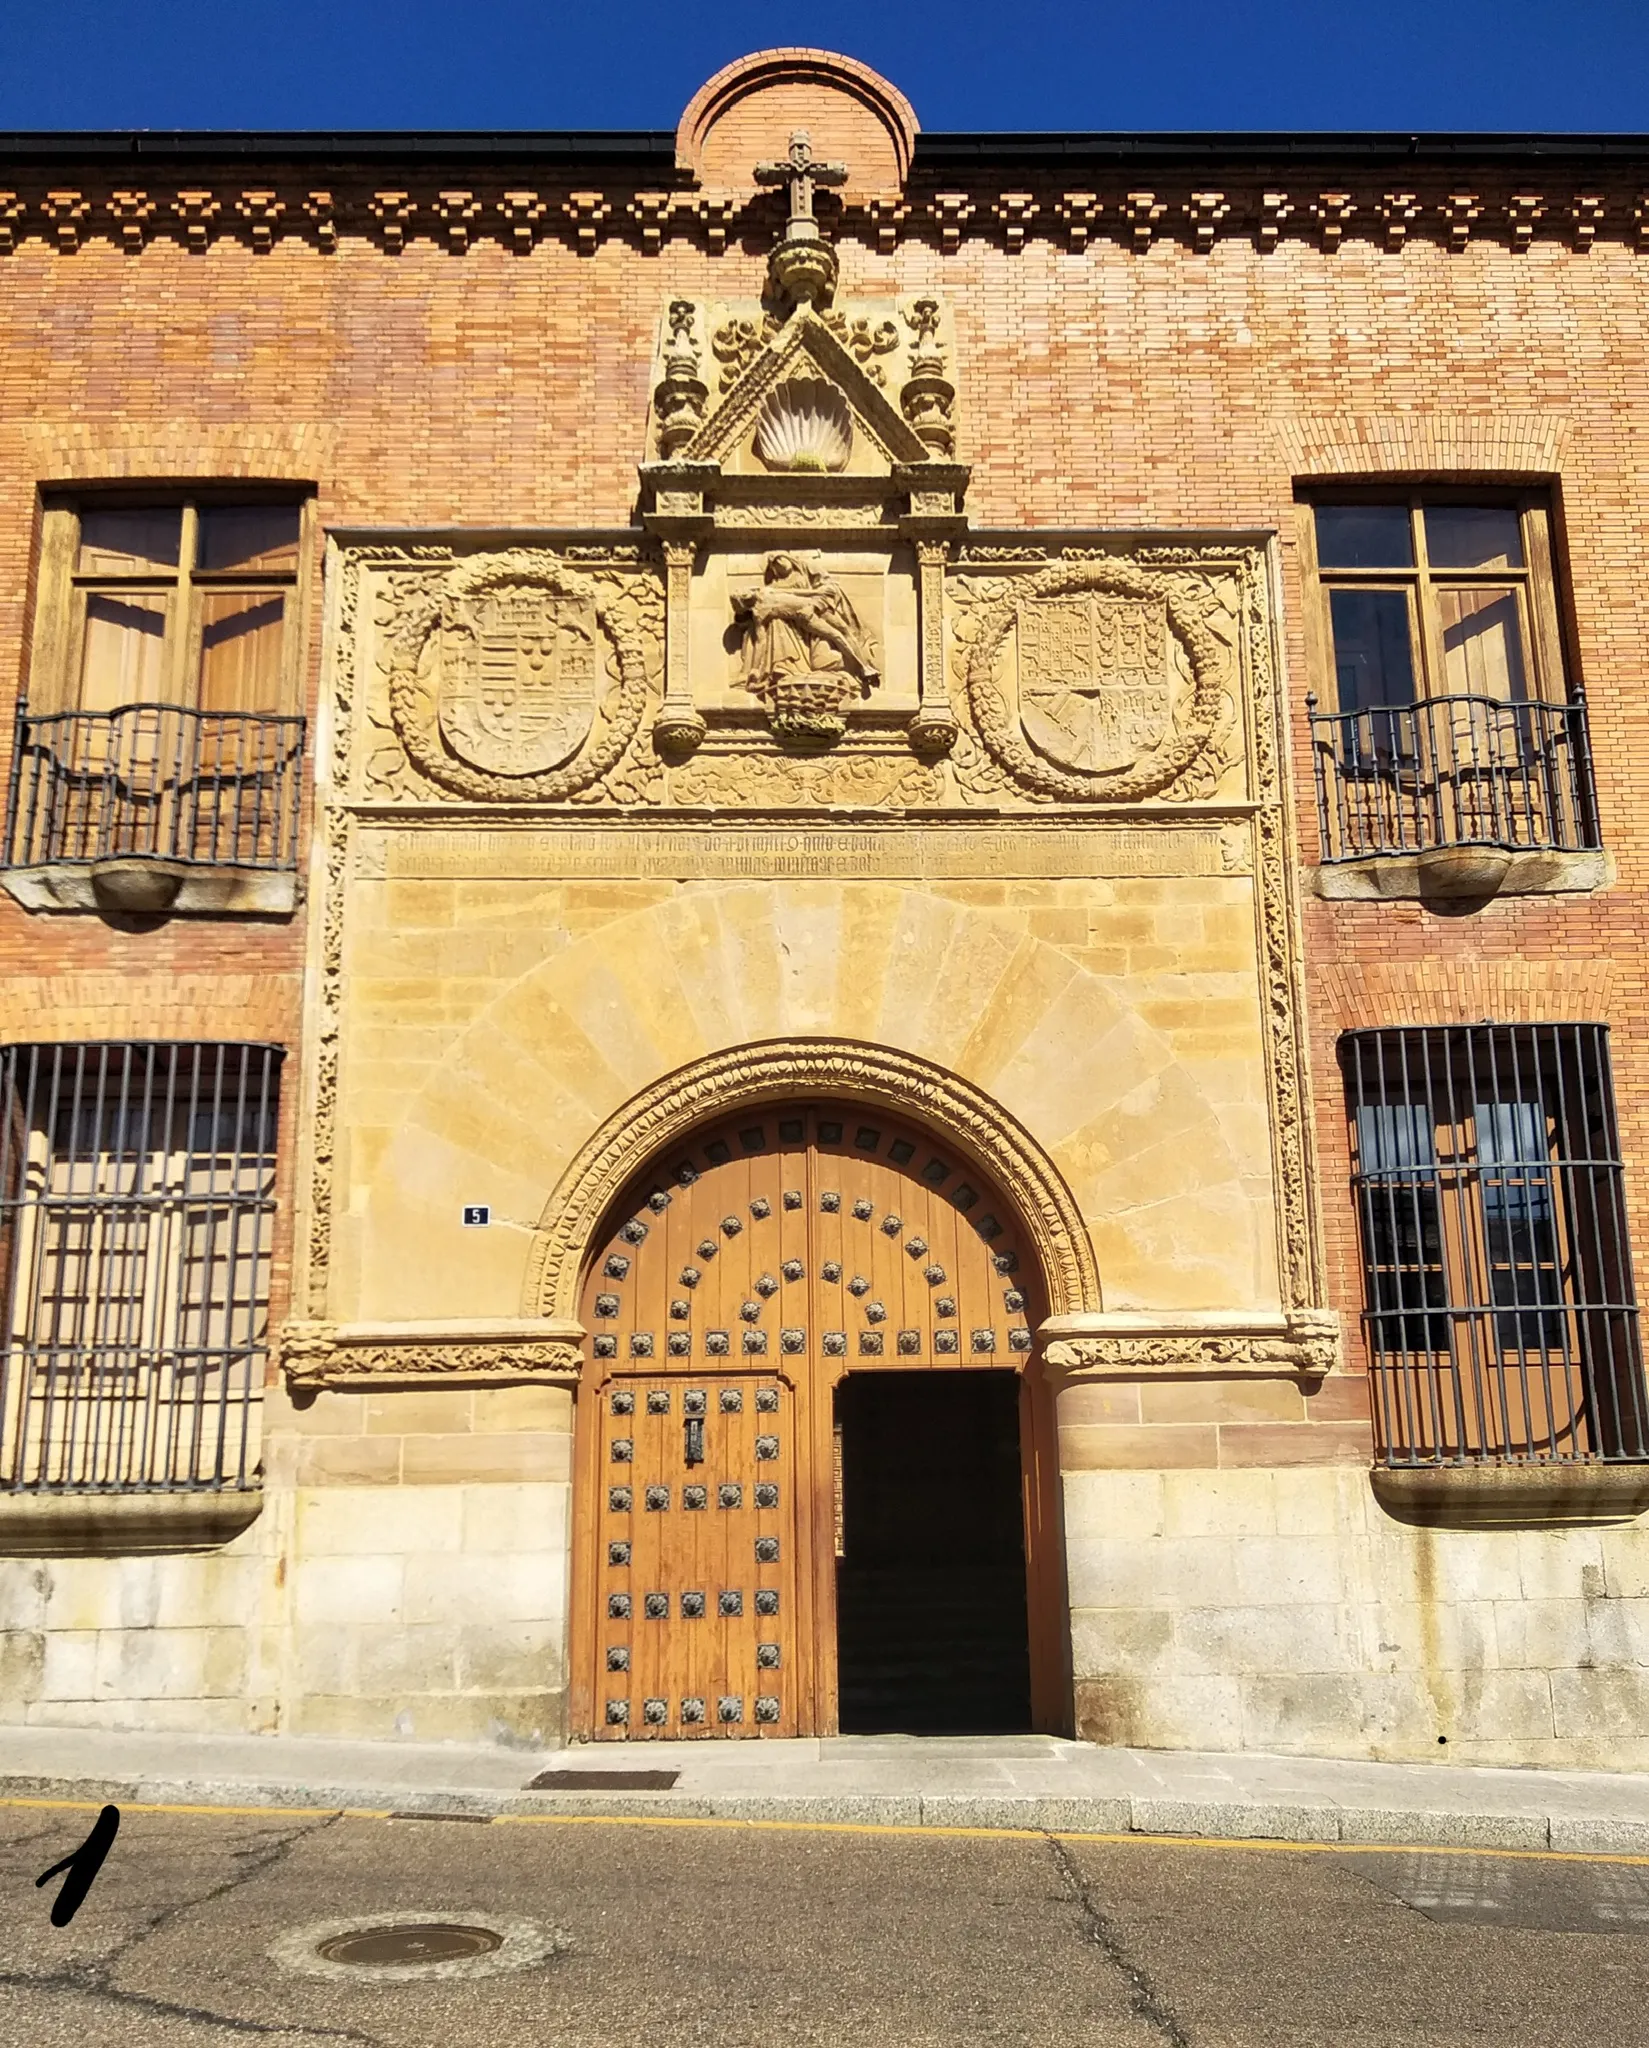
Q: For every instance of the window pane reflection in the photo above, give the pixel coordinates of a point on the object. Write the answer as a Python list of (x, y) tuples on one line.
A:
[(137, 543), (122, 661), (262, 537), (1373, 648), (240, 650), (1482, 643), (1473, 537), (1364, 537)]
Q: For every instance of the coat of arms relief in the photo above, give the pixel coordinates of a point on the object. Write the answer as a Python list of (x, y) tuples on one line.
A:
[(1093, 678), (519, 678), (802, 617)]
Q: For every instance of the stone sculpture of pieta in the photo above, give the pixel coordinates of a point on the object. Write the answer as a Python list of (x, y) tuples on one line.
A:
[(805, 653)]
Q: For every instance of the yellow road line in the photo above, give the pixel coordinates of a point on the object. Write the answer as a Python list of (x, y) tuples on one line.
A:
[(854, 1827)]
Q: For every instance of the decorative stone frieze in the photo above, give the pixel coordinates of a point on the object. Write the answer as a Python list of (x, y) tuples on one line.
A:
[(1305, 1342), (490, 1351)]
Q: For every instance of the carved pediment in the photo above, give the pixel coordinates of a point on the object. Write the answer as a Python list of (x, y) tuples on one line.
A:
[(882, 365), (806, 356)]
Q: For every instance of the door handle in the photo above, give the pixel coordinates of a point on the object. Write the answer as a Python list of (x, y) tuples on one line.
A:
[(693, 1429)]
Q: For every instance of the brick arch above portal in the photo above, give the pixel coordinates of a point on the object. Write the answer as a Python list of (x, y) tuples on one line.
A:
[(747, 113)]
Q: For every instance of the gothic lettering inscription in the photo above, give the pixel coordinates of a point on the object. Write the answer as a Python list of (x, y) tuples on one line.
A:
[(709, 855)]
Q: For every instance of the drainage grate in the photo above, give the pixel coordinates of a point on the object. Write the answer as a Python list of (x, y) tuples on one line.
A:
[(603, 1781), (421, 1941)]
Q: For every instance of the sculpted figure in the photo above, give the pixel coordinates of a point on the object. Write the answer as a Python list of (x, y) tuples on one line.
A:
[(805, 653)]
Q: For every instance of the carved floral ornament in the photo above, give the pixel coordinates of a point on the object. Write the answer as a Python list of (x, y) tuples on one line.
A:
[(322, 1354), (1307, 1345)]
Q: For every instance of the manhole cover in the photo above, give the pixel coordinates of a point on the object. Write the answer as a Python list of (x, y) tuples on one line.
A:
[(413, 1947), (424, 1941)]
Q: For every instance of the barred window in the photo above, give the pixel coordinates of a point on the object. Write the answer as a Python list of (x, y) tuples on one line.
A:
[(137, 1195), (1499, 1307)]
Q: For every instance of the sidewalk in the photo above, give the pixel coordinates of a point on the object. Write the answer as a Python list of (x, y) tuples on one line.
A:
[(1026, 1781)]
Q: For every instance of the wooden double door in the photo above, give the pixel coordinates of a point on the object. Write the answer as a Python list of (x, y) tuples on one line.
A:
[(733, 1289)]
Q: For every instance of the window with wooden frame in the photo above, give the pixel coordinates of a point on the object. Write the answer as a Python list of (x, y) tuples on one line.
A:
[(186, 599), (162, 734), (1443, 714), (1440, 592), (1499, 1308)]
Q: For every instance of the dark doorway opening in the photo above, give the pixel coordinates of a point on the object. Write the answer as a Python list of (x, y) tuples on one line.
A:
[(931, 1621)]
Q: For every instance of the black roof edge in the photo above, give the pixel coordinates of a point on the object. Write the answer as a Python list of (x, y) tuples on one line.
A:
[(653, 149), (640, 146), (937, 152)]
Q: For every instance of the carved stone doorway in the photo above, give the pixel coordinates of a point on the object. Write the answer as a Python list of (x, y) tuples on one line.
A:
[(730, 1290)]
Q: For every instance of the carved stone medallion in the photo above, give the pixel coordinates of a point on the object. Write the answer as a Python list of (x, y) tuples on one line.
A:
[(1094, 715), (1093, 690), (517, 677), (520, 672)]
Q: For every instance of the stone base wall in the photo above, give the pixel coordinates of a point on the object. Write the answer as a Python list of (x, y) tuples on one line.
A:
[(1283, 1610), (407, 1577)]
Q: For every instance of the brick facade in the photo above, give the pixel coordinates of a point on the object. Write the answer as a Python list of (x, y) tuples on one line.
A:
[(468, 344)]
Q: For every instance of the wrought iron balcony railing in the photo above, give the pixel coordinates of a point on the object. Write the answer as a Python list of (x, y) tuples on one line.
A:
[(1454, 771), (216, 789)]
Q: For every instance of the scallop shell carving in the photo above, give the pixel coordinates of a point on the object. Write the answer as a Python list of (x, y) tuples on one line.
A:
[(805, 425)]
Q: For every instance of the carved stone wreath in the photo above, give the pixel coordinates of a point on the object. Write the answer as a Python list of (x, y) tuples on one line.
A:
[(412, 698), (1001, 730)]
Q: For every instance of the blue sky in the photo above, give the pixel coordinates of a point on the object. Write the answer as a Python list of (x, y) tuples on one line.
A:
[(1558, 64)]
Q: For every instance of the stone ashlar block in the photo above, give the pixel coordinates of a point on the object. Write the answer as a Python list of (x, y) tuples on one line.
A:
[(329, 1590), (367, 1521), (516, 1518), (1219, 1504), (530, 1586)]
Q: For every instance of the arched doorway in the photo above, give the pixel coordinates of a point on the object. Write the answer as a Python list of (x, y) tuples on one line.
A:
[(813, 1405)]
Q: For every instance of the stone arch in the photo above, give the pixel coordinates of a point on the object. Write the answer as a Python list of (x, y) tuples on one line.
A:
[(968, 1119)]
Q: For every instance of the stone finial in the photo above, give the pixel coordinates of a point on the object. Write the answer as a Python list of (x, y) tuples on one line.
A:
[(803, 265)]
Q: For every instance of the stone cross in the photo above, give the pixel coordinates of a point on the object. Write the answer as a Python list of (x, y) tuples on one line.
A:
[(801, 173)]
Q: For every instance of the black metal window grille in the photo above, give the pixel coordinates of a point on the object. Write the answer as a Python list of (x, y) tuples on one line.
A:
[(163, 781), (1453, 771), (1500, 1315), (137, 1200)]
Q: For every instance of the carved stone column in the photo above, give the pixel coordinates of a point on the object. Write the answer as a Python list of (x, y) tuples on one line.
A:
[(679, 727), (933, 729)]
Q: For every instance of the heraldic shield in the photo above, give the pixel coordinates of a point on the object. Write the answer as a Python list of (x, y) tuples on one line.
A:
[(520, 672), (1094, 678)]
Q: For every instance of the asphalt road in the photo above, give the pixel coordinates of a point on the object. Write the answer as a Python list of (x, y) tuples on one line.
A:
[(748, 1937)]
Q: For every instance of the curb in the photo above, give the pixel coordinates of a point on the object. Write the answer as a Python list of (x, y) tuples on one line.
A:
[(1318, 1825)]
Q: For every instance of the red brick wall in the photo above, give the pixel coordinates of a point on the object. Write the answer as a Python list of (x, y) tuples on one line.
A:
[(1169, 387)]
